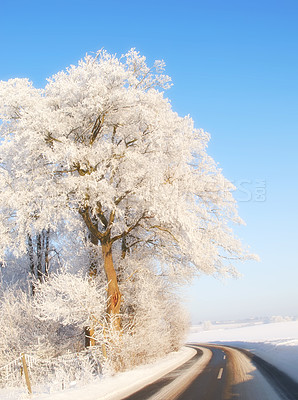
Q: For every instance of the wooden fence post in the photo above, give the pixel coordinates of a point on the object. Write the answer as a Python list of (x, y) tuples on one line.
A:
[(26, 373)]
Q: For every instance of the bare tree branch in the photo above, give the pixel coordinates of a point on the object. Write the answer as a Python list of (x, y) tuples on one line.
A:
[(87, 219), (127, 231)]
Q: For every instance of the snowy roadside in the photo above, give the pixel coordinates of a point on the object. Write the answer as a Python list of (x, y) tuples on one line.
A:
[(110, 387), (276, 343)]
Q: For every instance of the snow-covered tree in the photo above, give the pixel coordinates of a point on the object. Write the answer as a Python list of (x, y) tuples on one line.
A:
[(101, 143)]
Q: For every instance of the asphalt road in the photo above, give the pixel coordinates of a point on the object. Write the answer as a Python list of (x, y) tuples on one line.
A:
[(210, 384), (229, 374)]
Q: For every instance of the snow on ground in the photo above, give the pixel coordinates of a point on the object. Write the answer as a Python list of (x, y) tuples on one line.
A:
[(277, 342), (110, 387)]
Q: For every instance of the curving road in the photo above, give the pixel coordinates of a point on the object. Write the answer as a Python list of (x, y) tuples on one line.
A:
[(221, 373)]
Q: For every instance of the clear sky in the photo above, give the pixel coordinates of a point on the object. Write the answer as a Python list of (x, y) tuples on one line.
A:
[(234, 67)]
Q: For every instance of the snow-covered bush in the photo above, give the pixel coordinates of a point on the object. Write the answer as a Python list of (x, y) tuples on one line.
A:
[(42, 340), (60, 372), (22, 331), (70, 299), (50, 325)]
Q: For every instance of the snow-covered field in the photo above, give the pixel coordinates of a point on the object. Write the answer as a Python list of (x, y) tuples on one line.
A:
[(275, 342)]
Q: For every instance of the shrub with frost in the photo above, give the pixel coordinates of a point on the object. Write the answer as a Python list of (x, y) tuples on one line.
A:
[(22, 331), (53, 320), (70, 299), (50, 328)]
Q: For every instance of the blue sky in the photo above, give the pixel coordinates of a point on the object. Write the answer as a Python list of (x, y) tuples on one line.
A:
[(234, 67)]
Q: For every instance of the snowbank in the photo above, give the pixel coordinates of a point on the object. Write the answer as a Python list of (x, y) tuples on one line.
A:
[(277, 343)]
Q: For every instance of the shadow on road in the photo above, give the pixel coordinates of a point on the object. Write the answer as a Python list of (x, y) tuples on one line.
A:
[(249, 378)]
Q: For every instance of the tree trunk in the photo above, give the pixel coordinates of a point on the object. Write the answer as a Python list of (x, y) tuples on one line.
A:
[(89, 331), (93, 255), (114, 295), (46, 252), (39, 257), (31, 258)]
